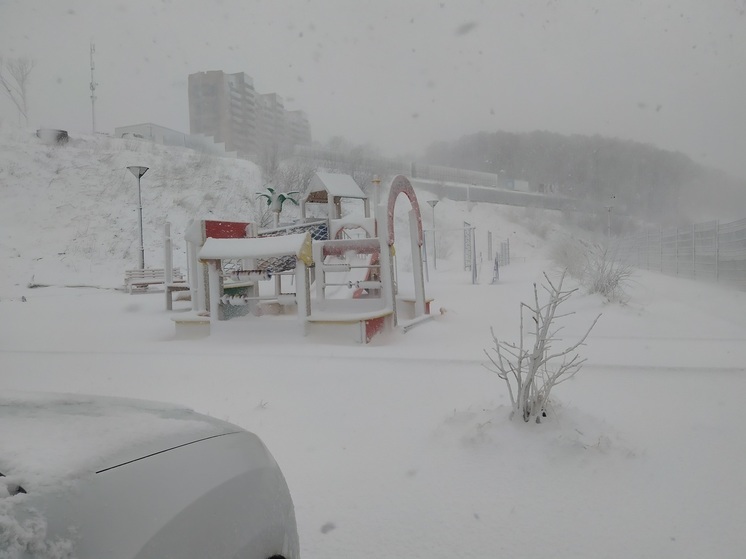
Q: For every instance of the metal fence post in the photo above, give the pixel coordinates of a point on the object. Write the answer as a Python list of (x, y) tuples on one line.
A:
[(717, 250), (474, 279), (660, 244), (725, 246), (694, 251)]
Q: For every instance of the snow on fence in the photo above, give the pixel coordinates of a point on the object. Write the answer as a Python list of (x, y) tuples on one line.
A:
[(319, 230), (710, 251)]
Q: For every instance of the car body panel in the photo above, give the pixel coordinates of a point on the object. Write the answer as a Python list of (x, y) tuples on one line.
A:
[(210, 490)]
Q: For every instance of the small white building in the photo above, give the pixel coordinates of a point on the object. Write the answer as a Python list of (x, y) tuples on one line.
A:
[(167, 137)]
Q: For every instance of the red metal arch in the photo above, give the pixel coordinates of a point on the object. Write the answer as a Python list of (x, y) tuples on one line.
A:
[(401, 185)]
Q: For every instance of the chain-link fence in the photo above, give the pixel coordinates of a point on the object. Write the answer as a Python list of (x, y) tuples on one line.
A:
[(319, 231), (710, 251)]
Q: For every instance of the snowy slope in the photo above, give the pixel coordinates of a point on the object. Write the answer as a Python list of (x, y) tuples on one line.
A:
[(71, 211)]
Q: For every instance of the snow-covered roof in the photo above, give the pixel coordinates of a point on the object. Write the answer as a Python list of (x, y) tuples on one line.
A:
[(336, 184), (262, 247)]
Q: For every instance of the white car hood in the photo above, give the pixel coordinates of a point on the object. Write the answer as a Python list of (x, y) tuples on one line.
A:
[(51, 440)]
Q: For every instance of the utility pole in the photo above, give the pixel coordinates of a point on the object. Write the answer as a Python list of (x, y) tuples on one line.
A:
[(93, 92)]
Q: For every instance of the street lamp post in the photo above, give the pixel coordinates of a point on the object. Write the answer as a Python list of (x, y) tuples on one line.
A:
[(433, 203), (139, 172)]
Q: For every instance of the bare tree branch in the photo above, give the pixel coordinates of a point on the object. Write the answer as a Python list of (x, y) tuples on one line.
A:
[(14, 77), (527, 372)]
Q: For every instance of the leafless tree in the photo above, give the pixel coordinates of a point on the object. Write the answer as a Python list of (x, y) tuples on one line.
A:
[(532, 372), (296, 174), (358, 161), (258, 212), (269, 162), (14, 78)]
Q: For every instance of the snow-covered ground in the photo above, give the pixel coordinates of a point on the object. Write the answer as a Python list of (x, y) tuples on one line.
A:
[(401, 448)]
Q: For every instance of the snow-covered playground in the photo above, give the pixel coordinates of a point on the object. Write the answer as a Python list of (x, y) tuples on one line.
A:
[(401, 447)]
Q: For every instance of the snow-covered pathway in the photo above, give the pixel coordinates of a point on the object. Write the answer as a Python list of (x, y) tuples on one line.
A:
[(403, 447)]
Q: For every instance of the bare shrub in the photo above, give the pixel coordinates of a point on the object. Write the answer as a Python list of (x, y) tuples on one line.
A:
[(595, 266), (531, 372), (296, 174), (607, 275), (570, 255)]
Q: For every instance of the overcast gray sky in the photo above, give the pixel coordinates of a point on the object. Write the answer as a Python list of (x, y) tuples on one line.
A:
[(403, 73)]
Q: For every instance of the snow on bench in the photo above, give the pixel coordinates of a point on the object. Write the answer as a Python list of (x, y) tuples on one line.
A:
[(141, 279), (191, 325), (365, 324)]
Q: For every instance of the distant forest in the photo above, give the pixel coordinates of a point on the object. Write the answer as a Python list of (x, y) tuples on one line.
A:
[(638, 179)]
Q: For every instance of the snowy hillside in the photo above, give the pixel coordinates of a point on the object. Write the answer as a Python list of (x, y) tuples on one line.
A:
[(71, 211)]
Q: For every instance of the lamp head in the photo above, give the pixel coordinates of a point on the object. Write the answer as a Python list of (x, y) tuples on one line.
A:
[(137, 171)]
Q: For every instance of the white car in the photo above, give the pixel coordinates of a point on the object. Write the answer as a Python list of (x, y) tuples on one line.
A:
[(108, 478)]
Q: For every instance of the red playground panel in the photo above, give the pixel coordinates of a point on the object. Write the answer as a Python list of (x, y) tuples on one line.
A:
[(225, 229)]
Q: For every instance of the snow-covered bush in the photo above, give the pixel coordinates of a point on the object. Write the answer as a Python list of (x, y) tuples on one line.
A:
[(531, 371), (595, 266), (570, 255), (606, 275)]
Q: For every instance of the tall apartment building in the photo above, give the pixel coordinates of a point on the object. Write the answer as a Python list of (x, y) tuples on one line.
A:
[(224, 106), (298, 128), (271, 125), (227, 107)]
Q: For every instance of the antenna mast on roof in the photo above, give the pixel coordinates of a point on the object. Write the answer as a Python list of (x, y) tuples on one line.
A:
[(93, 92)]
